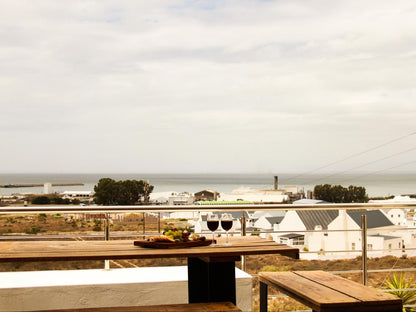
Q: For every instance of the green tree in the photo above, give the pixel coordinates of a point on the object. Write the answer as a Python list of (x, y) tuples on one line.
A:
[(322, 191), (60, 201), (41, 200), (106, 192), (357, 194), (128, 192), (340, 194)]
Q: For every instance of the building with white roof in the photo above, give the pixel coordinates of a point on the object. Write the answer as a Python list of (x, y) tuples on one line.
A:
[(255, 196), (77, 194)]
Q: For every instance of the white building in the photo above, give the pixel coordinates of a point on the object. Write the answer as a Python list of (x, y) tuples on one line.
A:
[(184, 214), (321, 239), (47, 188), (255, 196), (176, 199), (81, 195), (268, 222), (397, 216)]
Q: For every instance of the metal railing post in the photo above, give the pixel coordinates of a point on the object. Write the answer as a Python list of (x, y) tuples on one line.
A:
[(364, 246), (144, 224), (107, 237), (158, 222), (107, 227), (243, 233)]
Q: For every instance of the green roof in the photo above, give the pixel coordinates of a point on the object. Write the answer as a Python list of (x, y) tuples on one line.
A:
[(224, 202)]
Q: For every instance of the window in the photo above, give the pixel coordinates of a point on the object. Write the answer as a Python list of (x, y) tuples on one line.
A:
[(299, 240), (391, 216), (370, 246), (390, 247), (353, 246)]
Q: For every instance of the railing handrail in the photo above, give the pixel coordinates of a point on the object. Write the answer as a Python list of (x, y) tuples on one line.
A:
[(175, 208)]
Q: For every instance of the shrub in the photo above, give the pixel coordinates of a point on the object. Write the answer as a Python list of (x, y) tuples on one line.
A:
[(41, 200), (33, 230), (398, 282), (97, 225)]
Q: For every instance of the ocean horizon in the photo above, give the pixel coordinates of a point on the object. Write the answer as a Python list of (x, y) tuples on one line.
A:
[(375, 184)]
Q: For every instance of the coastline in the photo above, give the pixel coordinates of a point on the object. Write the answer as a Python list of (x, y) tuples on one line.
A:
[(376, 185)]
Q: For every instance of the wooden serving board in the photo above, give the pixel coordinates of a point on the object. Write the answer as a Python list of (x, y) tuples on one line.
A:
[(167, 245)]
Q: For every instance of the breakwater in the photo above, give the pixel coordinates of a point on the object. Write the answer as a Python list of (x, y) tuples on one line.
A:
[(38, 185)]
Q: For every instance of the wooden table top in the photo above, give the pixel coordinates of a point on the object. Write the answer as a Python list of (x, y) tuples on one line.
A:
[(326, 292), (125, 249)]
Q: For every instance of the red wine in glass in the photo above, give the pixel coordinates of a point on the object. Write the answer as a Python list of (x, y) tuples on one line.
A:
[(213, 222), (227, 224), (213, 225)]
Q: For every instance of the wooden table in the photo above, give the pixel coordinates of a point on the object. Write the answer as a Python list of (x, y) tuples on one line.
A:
[(326, 292), (211, 270)]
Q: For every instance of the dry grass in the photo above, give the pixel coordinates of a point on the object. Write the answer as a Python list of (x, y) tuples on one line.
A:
[(58, 224)]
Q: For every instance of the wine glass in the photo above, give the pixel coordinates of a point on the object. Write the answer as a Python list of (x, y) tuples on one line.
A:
[(213, 222), (227, 224)]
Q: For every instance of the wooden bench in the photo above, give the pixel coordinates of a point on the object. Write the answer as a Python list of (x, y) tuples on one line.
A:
[(325, 292), (190, 307)]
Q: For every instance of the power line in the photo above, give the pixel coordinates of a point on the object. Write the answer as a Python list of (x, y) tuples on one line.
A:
[(352, 156), (366, 164), (378, 171)]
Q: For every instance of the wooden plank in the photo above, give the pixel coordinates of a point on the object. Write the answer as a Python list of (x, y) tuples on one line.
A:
[(326, 292), (308, 292), (192, 307), (100, 250), (350, 288)]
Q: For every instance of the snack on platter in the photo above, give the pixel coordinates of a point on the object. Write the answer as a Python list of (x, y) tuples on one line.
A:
[(174, 238)]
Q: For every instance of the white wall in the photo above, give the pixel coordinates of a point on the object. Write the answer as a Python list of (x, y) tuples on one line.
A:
[(397, 216), (343, 240), (184, 215), (46, 290), (263, 223), (291, 222), (315, 241)]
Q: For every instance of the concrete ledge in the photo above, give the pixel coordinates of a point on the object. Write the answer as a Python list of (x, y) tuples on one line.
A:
[(42, 290)]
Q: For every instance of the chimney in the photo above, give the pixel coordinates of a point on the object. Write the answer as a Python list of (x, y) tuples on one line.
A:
[(276, 179)]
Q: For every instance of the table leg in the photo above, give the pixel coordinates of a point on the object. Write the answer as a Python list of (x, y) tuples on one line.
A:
[(211, 281), (263, 297)]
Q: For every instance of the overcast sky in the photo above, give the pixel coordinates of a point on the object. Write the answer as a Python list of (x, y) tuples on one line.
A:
[(207, 86)]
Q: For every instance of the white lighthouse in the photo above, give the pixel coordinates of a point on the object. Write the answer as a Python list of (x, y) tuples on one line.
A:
[(47, 188)]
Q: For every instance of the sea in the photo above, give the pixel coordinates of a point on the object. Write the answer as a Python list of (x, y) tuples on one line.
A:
[(377, 185)]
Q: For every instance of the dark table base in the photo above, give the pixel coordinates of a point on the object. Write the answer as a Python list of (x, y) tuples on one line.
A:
[(212, 279)]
